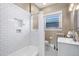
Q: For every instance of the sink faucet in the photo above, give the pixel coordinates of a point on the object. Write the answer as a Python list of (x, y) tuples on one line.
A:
[(75, 36)]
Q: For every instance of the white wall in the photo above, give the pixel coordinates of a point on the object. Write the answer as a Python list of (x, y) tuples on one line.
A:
[(41, 34), (10, 40), (38, 36)]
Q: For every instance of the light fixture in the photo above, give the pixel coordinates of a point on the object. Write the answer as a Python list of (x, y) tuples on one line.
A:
[(77, 7), (71, 7)]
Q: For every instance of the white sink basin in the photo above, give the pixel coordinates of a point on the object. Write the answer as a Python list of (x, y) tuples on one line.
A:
[(67, 40)]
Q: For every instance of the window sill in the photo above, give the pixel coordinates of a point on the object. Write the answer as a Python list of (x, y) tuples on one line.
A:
[(53, 29)]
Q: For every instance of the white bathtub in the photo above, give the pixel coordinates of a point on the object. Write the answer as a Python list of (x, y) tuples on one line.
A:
[(26, 51)]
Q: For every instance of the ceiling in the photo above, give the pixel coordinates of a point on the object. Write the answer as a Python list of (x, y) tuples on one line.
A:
[(42, 5)]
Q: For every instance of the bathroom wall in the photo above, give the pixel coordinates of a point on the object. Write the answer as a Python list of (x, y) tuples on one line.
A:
[(34, 12), (66, 23), (25, 6), (38, 36), (66, 20), (10, 38)]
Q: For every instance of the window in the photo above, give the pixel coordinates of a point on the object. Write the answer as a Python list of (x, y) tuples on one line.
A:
[(53, 20)]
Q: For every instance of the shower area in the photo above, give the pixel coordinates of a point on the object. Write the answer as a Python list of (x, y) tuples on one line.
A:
[(18, 34)]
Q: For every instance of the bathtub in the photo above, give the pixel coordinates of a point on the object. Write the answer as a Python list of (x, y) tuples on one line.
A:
[(26, 51)]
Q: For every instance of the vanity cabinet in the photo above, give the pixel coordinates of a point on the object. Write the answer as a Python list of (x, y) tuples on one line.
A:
[(67, 47)]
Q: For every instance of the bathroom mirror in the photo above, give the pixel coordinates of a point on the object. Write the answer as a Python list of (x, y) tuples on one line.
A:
[(75, 20), (78, 21)]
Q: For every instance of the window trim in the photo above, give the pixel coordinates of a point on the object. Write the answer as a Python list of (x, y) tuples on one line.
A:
[(60, 21)]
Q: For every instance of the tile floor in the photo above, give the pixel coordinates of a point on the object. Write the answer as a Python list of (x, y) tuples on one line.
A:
[(49, 51)]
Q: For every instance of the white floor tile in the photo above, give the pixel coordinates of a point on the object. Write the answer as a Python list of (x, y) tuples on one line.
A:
[(49, 51)]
